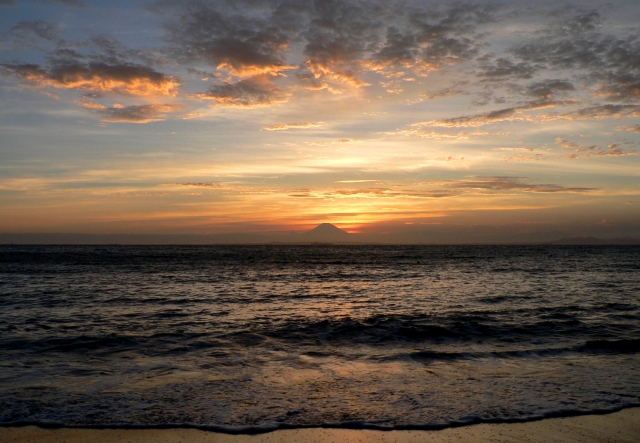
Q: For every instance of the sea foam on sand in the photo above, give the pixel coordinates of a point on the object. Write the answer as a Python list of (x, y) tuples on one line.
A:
[(618, 427)]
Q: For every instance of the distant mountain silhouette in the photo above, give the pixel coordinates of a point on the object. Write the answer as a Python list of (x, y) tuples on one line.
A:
[(326, 233)]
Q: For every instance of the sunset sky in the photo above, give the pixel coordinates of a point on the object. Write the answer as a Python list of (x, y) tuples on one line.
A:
[(207, 117)]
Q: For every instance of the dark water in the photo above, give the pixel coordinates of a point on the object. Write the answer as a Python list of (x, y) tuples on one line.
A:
[(263, 337)]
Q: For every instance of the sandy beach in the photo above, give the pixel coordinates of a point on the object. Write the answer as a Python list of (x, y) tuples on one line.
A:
[(618, 427)]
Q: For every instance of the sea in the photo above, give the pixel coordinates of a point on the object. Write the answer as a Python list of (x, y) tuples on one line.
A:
[(247, 339)]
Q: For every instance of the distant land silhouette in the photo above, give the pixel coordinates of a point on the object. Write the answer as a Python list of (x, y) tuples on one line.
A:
[(595, 241), (325, 233)]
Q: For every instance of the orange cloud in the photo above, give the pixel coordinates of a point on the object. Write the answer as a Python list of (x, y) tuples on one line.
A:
[(336, 72), (99, 77), (248, 70)]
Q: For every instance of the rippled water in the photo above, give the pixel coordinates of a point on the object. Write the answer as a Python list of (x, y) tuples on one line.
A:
[(263, 337)]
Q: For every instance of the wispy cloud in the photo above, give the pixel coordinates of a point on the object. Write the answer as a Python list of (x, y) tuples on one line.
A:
[(356, 181), (500, 183), (287, 126)]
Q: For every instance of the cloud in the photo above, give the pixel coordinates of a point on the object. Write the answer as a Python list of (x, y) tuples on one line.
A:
[(619, 87), (71, 3), (25, 29), (242, 41), (635, 128), (500, 115), (390, 193), (432, 38), (438, 135), (513, 149), (386, 193), (450, 188), (222, 187), (578, 44), (582, 151), (600, 112), (548, 89), (504, 68), (197, 185), (442, 93), (251, 92), (505, 183), (287, 126), (310, 82), (130, 114), (341, 141), (99, 77), (338, 39)]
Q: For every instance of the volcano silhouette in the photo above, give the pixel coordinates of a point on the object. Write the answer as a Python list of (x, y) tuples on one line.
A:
[(326, 233)]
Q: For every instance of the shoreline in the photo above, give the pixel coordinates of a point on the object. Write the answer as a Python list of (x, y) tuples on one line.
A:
[(349, 425), (621, 426)]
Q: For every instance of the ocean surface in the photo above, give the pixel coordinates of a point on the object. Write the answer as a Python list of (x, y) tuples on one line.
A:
[(246, 339)]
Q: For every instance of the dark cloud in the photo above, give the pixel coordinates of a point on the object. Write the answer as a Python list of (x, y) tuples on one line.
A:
[(71, 3), (7, 3), (619, 87), (25, 30), (584, 47), (504, 68), (611, 62), (244, 42), (338, 38), (123, 79), (549, 89), (430, 38), (108, 50), (251, 92)]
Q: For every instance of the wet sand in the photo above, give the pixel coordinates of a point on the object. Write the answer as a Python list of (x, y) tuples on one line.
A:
[(618, 427)]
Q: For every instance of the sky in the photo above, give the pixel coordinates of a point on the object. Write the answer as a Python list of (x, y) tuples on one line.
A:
[(424, 120)]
